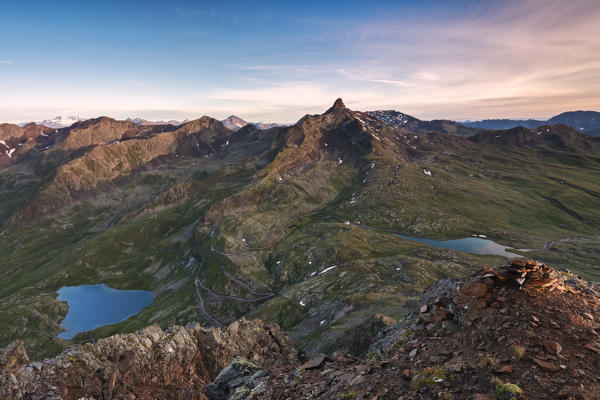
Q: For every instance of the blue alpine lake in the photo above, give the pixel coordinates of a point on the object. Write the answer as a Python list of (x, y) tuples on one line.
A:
[(93, 306), (468, 245)]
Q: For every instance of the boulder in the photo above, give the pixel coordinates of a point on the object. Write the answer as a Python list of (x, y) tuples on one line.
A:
[(236, 381)]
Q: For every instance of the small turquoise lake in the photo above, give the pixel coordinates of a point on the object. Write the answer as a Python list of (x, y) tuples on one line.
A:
[(471, 245), (93, 306)]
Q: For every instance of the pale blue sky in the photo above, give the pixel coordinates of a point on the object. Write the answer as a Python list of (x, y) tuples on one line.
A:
[(276, 60)]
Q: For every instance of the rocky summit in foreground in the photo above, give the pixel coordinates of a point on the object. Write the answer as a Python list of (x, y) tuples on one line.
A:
[(149, 364), (520, 331)]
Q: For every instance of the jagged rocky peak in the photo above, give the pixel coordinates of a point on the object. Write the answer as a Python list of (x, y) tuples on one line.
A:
[(348, 135), (338, 105), (338, 129), (336, 116)]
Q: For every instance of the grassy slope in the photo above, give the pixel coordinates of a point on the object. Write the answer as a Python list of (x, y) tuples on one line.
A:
[(516, 196)]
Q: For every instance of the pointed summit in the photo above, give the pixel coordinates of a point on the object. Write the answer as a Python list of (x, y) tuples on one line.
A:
[(337, 106), (234, 122)]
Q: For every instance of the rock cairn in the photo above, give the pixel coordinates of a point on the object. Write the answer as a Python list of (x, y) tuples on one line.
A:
[(527, 274)]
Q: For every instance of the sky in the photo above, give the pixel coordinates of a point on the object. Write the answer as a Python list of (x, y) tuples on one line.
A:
[(279, 60)]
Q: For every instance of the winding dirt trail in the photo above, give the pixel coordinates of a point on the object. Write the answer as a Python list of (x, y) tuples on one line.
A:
[(207, 315), (262, 296), (229, 297), (243, 284)]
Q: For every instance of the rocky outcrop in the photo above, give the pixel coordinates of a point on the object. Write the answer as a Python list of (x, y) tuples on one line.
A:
[(266, 345), (149, 364), (522, 323), (487, 336)]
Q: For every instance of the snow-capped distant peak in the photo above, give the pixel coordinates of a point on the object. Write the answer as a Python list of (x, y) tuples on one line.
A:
[(61, 121)]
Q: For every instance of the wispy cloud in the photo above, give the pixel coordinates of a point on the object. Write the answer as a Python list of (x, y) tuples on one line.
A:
[(6, 62), (542, 50), (391, 82), (366, 75)]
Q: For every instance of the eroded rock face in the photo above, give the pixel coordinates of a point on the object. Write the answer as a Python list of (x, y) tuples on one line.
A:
[(152, 363)]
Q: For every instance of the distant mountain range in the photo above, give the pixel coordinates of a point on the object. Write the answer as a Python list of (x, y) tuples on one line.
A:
[(232, 122), (583, 121), (145, 122)]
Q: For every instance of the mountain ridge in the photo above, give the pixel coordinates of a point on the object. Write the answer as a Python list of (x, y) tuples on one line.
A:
[(407, 124), (583, 121), (579, 120)]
